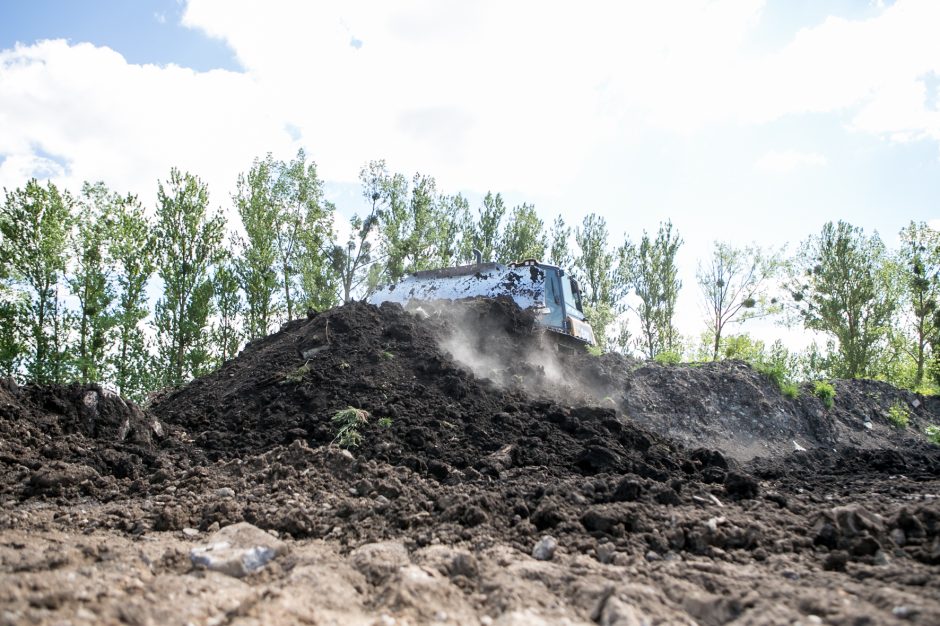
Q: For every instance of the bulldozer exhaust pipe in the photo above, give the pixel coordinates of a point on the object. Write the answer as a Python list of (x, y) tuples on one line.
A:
[(478, 256)]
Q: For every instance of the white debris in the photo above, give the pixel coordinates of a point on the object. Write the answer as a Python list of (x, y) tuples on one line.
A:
[(238, 550), (544, 550)]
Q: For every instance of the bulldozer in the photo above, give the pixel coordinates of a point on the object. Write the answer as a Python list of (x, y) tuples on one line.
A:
[(546, 290)]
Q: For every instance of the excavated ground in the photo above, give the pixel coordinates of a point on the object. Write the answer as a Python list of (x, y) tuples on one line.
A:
[(672, 495)]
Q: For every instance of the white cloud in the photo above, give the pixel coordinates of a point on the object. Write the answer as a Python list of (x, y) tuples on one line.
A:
[(484, 95), (784, 161), (95, 116)]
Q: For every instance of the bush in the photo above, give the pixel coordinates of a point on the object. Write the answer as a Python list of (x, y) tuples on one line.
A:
[(594, 350), (898, 415), (790, 390), (348, 421), (933, 434), (668, 357), (825, 392), (773, 371)]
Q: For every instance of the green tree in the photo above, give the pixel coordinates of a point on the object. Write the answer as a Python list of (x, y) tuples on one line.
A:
[(920, 267), (353, 263), (258, 249), (653, 276), (451, 214), (227, 329), (524, 236), (13, 312), (132, 251), (35, 224), (189, 243), (602, 281), (417, 227), (560, 251), (483, 234), (306, 241), (841, 288), (734, 282), (90, 281)]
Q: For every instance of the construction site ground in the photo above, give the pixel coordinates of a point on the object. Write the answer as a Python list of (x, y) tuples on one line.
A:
[(494, 480)]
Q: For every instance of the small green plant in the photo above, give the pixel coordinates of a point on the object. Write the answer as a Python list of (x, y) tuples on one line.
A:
[(790, 390), (298, 374), (387, 355), (385, 422), (347, 422), (933, 434), (825, 392), (778, 375), (898, 415), (668, 357), (594, 350), (773, 371)]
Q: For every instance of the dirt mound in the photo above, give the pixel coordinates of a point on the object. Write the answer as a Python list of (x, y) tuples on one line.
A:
[(73, 440), (494, 480), (425, 410)]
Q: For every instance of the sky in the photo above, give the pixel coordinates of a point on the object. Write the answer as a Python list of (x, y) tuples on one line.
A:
[(739, 120)]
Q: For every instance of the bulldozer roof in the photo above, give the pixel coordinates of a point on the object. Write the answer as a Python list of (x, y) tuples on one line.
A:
[(460, 270)]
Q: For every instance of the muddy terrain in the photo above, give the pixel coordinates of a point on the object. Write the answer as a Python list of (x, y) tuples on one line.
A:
[(375, 466)]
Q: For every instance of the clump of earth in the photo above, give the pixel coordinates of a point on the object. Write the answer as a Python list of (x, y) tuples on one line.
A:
[(452, 465)]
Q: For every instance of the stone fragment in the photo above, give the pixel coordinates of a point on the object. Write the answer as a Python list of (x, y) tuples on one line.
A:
[(238, 550), (544, 550)]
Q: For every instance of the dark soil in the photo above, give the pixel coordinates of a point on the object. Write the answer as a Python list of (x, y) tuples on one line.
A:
[(615, 459)]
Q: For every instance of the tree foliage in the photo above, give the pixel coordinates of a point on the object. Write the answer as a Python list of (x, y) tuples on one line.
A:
[(90, 280), (653, 276), (920, 276), (256, 263), (35, 224), (523, 237), (733, 282), (133, 254), (841, 287), (189, 242)]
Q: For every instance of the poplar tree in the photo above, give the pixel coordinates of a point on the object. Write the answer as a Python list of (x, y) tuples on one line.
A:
[(35, 224), (302, 229), (451, 214), (653, 276), (258, 249), (133, 253), (600, 282), (189, 243), (407, 224), (483, 234), (306, 245), (920, 267), (560, 249), (523, 236), (13, 306), (227, 330), (90, 281)]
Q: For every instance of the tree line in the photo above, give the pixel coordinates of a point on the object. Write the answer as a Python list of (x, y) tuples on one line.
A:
[(79, 271)]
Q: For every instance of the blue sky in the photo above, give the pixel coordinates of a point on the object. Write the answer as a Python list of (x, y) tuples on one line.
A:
[(741, 120), (143, 31)]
